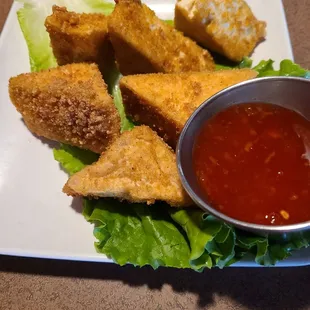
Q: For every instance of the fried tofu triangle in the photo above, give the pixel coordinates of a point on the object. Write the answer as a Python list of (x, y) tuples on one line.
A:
[(166, 101), (145, 44), (138, 167), (69, 104), (224, 26), (80, 38)]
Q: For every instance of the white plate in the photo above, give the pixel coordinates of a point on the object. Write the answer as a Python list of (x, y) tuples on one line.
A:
[(37, 219)]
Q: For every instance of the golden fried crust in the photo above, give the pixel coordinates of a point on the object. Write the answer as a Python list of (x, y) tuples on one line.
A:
[(79, 37), (138, 167), (166, 101), (224, 26), (145, 44), (69, 104)]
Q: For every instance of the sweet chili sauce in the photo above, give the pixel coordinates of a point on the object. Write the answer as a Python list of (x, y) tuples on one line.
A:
[(252, 163)]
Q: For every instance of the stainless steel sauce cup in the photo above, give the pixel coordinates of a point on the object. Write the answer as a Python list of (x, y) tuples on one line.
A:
[(291, 93)]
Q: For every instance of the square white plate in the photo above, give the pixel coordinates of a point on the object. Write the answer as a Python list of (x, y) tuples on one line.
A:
[(37, 219)]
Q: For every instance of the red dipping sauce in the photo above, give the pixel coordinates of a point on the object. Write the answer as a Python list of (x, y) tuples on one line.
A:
[(252, 163)]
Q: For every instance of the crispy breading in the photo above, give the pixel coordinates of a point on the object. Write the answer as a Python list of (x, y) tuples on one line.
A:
[(166, 101), (138, 167), (224, 26), (68, 104), (79, 38), (145, 44)]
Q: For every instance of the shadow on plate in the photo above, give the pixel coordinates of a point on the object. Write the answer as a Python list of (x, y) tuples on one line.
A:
[(50, 143), (77, 204), (254, 288)]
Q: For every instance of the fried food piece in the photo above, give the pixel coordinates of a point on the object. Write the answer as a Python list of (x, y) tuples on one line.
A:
[(79, 38), (166, 101), (224, 26), (145, 44), (69, 104), (138, 167)]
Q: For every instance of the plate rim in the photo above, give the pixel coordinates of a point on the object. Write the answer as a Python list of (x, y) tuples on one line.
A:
[(98, 257)]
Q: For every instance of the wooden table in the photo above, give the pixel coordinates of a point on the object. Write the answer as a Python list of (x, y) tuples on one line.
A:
[(49, 284)]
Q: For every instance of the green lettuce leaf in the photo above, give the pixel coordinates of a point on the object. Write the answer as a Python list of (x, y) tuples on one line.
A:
[(32, 16), (211, 241), (169, 22), (268, 250), (73, 159), (287, 68), (260, 247), (246, 63), (31, 20), (265, 68), (200, 232), (224, 64), (137, 234), (114, 90)]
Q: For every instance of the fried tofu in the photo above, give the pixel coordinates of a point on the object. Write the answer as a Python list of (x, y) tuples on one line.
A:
[(145, 44), (138, 167), (80, 38), (227, 27), (69, 104), (166, 101)]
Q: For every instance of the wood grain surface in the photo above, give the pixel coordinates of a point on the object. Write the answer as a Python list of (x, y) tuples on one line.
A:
[(49, 284)]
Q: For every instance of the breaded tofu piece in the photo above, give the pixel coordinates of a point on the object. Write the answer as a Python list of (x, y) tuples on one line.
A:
[(79, 37), (69, 104), (228, 27), (138, 167), (166, 101), (145, 44)]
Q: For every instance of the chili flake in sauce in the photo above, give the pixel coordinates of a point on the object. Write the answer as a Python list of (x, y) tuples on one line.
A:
[(252, 162)]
